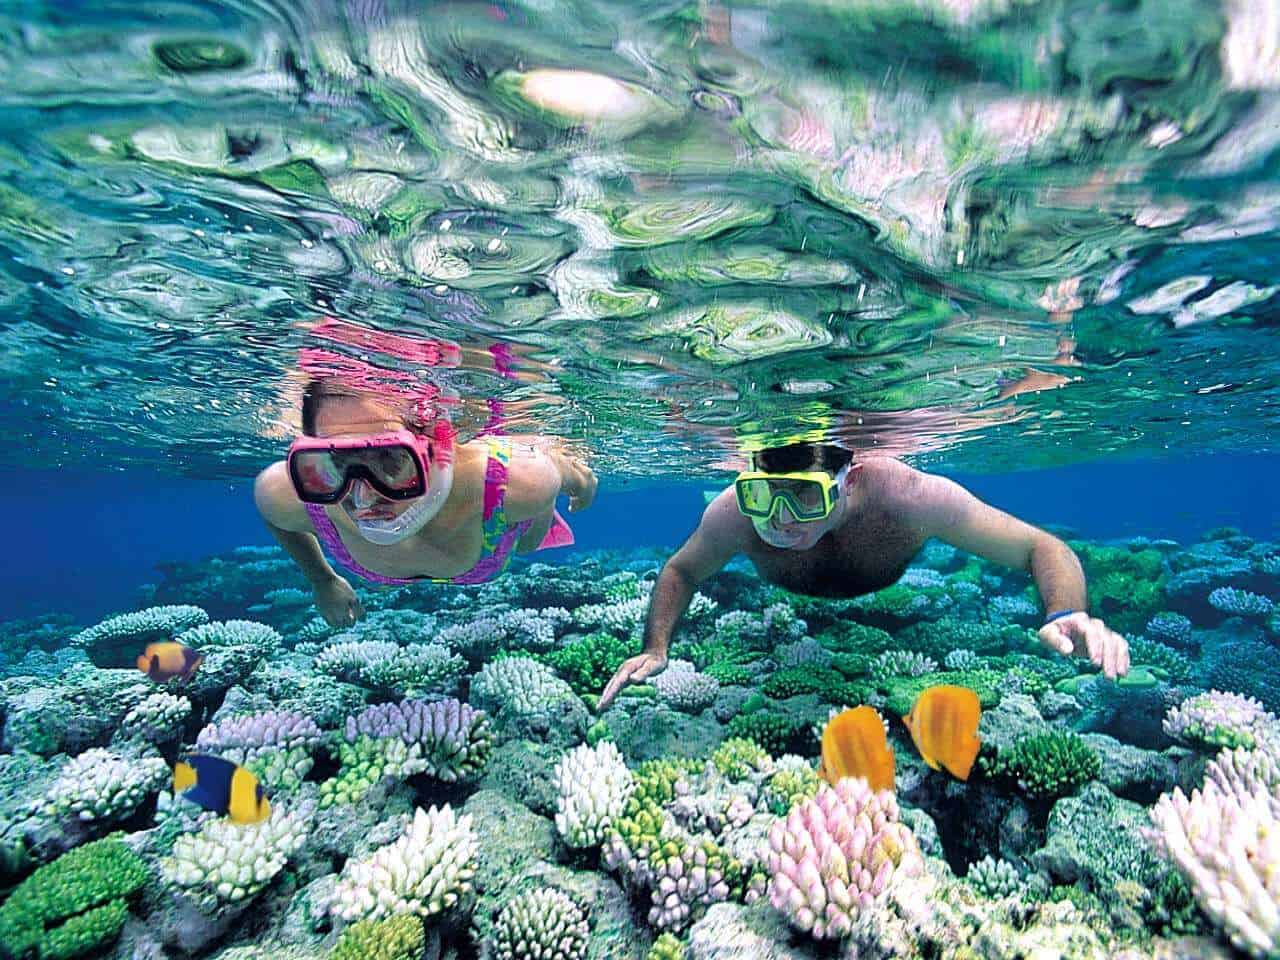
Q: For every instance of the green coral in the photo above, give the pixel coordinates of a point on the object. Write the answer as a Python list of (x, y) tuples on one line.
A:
[(75, 905), (853, 665), (1045, 765), (1159, 655), (795, 681), (737, 758), (667, 947), (939, 638), (775, 732), (1126, 587), (848, 636), (901, 692), (395, 938), (589, 662), (729, 674), (789, 786), (366, 762)]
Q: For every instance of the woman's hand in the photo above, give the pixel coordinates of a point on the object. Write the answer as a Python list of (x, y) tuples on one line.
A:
[(1081, 635), (577, 480), (633, 670), (338, 603)]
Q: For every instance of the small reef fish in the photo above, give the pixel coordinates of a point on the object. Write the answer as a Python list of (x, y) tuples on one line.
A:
[(943, 724), (944, 727), (222, 787), (854, 745), (164, 661)]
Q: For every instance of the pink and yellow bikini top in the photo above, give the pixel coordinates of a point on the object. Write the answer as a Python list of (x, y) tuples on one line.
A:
[(499, 539)]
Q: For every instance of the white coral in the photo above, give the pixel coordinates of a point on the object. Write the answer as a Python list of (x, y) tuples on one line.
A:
[(543, 924), (232, 861), (101, 785), (425, 872), (519, 683), (593, 785)]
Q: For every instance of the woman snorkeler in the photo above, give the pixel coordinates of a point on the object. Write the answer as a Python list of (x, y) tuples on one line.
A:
[(395, 498)]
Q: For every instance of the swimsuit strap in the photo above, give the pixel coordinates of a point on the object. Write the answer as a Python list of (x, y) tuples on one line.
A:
[(327, 533), (498, 542)]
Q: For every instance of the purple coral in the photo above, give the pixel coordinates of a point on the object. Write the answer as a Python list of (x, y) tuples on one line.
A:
[(1240, 603), (1171, 628), (836, 855), (283, 729), (455, 737)]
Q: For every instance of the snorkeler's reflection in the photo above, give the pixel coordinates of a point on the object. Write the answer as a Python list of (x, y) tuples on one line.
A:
[(380, 478)]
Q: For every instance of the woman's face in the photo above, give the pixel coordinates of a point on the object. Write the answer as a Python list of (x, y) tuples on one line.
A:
[(348, 417)]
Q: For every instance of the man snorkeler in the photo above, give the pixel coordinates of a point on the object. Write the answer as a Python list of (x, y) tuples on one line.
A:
[(815, 522)]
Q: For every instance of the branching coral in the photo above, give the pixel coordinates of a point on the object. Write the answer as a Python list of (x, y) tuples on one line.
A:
[(520, 684), (592, 786), (542, 924), (100, 785), (455, 739), (1046, 765), (1217, 719), (73, 906), (425, 872), (277, 745), (836, 854), (400, 937), (424, 668), (157, 719), (227, 861), (682, 687)]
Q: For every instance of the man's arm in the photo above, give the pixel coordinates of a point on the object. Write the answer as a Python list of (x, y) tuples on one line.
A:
[(719, 536), (942, 508)]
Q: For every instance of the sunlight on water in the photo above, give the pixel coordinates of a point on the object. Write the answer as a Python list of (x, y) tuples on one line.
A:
[(1049, 226)]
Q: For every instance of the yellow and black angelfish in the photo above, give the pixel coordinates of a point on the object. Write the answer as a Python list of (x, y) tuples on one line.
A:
[(221, 786)]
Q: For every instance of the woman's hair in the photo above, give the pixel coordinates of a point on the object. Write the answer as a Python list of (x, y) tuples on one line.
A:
[(802, 456), (315, 393)]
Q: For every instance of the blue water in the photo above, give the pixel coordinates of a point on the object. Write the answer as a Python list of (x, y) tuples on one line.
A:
[(88, 557)]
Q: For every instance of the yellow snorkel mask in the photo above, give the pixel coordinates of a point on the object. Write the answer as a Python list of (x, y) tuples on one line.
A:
[(808, 495)]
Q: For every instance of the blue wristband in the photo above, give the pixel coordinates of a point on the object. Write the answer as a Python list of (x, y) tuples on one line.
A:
[(1056, 615)]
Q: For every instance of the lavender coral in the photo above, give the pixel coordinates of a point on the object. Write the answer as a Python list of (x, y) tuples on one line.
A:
[(455, 739), (683, 688), (836, 854), (1217, 719), (277, 744), (1240, 603)]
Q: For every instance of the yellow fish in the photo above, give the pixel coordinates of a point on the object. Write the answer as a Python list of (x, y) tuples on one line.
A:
[(944, 727), (223, 787), (164, 661), (854, 745)]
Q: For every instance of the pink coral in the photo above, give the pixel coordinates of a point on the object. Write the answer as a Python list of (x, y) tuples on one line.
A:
[(836, 854)]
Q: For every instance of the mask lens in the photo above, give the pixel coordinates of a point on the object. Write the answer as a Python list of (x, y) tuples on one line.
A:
[(393, 468), (317, 473)]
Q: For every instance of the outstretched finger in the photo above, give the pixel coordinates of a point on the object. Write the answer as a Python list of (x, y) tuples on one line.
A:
[(611, 690)]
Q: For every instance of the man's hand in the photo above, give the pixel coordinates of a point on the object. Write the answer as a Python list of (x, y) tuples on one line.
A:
[(1081, 635), (338, 603), (633, 670)]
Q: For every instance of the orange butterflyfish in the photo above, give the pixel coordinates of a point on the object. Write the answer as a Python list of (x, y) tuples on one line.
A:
[(164, 661), (854, 745), (944, 726)]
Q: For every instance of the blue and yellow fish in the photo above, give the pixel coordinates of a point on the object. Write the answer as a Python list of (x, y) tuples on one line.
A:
[(222, 787)]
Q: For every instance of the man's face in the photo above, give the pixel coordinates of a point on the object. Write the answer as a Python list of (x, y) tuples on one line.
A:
[(785, 532)]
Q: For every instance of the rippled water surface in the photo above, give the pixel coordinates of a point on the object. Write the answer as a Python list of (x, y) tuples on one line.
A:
[(1005, 232)]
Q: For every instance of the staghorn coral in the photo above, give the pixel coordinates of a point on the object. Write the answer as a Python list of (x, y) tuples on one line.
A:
[(425, 872), (229, 862), (541, 924), (592, 787), (836, 854), (455, 739)]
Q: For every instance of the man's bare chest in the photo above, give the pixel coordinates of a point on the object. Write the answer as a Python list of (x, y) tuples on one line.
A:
[(855, 560)]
